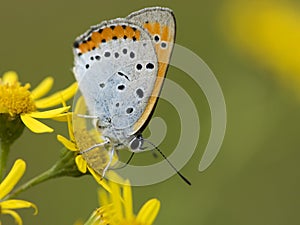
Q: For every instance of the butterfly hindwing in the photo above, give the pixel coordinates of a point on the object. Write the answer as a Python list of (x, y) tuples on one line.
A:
[(160, 24)]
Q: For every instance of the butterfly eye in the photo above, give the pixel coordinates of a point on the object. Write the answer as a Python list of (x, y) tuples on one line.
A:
[(135, 144)]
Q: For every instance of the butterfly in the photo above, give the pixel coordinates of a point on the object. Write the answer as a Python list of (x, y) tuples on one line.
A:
[(120, 66)]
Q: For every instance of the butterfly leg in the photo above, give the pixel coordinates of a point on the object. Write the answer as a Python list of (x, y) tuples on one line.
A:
[(110, 154), (107, 141), (87, 116)]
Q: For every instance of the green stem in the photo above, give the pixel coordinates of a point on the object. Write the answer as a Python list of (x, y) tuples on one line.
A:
[(11, 129), (47, 175), (65, 166), (4, 150)]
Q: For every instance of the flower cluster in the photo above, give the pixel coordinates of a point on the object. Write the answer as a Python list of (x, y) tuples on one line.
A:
[(20, 107), (18, 101), (82, 154), (116, 208)]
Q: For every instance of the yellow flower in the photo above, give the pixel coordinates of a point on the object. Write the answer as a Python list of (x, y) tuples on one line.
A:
[(116, 208), (269, 31), (95, 160), (17, 100), (9, 206)]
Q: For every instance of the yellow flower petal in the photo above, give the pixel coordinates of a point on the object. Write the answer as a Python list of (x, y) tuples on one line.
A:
[(62, 117), (12, 178), (67, 143), (15, 215), (43, 88), (10, 77), (81, 164), (70, 127), (49, 113), (80, 106), (18, 204), (100, 180), (115, 177), (148, 212), (80, 109), (35, 125), (103, 198), (57, 98), (116, 199), (116, 207), (127, 194)]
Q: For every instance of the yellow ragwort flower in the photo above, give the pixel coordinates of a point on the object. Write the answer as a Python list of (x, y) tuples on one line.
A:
[(269, 31), (116, 208), (18, 100), (8, 206), (81, 139)]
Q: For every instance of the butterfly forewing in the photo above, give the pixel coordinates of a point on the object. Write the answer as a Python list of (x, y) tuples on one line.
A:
[(116, 67)]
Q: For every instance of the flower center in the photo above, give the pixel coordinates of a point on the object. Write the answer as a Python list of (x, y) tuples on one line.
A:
[(15, 99)]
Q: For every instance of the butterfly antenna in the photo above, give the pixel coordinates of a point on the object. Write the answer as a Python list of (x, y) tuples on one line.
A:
[(163, 155), (130, 158)]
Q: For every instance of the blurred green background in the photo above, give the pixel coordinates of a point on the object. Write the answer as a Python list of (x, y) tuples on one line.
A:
[(254, 179)]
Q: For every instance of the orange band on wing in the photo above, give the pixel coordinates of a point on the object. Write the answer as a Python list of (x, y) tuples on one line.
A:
[(163, 56), (156, 28), (107, 34), (165, 33)]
